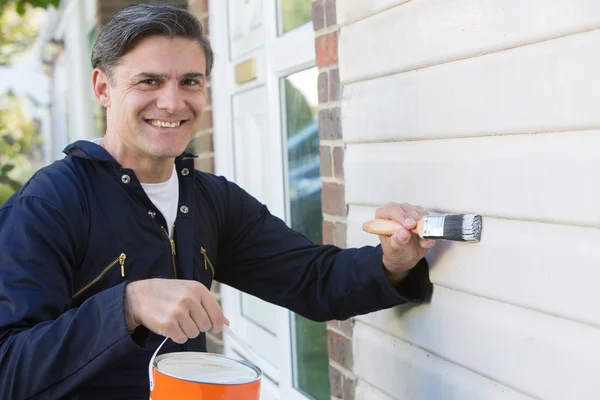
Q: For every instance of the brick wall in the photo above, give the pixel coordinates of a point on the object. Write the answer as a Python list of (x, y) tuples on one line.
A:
[(108, 8), (342, 380), (202, 145), (203, 142)]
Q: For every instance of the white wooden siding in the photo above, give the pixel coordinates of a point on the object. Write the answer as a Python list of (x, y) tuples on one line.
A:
[(488, 107), (545, 267), (550, 86), (428, 32), (546, 177), (407, 372)]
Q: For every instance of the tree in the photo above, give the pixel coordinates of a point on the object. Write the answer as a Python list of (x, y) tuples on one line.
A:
[(17, 33), (19, 145), (22, 4)]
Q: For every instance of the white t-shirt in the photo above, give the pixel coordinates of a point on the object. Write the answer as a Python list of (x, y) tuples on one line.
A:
[(165, 196)]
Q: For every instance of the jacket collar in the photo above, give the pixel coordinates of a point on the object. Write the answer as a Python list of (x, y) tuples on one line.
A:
[(91, 151)]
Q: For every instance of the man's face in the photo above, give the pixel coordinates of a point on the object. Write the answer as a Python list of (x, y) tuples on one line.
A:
[(156, 96)]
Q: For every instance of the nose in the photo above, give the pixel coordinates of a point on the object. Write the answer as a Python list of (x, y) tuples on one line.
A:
[(170, 99)]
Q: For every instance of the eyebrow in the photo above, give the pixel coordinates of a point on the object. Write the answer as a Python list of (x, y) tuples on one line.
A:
[(151, 75)]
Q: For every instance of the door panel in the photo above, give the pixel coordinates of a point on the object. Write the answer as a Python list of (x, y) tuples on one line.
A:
[(246, 28)]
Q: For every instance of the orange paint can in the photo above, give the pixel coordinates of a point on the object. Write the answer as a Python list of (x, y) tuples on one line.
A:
[(203, 376)]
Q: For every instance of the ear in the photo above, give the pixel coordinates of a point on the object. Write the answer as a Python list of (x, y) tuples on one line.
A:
[(101, 84)]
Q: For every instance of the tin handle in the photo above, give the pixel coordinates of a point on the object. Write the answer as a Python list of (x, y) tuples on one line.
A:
[(152, 363), (251, 353)]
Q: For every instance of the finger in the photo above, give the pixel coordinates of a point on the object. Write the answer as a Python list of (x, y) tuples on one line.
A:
[(422, 212), (200, 317), (189, 327), (182, 317), (173, 331), (395, 212), (411, 211), (214, 313)]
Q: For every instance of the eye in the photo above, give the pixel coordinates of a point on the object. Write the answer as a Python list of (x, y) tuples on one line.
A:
[(190, 82), (150, 82)]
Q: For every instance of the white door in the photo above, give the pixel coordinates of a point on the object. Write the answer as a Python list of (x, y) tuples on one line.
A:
[(264, 89)]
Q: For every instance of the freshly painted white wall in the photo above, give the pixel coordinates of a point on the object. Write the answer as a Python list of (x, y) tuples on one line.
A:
[(487, 107)]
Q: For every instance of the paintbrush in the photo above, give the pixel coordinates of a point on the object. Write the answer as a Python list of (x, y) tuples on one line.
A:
[(455, 227)]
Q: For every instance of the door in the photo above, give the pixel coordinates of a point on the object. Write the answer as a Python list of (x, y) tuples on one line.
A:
[(264, 89)]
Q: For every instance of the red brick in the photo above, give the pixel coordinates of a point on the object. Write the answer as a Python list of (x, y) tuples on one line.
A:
[(205, 164), (338, 162), (326, 48), (328, 232), (335, 233), (329, 124), (323, 85), (205, 25), (208, 95), (204, 143), (349, 385), (195, 7), (335, 86), (330, 13), (340, 349), (325, 161), (206, 121), (318, 14), (107, 8), (333, 197), (346, 326), (336, 383)]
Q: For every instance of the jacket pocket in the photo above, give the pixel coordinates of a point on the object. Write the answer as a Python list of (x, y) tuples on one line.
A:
[(207, 263), (119, 261)]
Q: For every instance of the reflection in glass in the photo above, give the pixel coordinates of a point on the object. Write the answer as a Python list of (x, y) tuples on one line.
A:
[(311, 363), (294, 13)]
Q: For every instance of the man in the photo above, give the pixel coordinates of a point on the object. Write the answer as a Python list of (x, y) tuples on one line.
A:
[(104, 253)]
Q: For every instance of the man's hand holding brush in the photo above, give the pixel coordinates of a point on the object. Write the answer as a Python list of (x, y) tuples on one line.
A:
[(407, 232), (403, 249)]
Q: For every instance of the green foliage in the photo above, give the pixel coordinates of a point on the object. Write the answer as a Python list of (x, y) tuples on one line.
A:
[(19, 145), (21, 5), (17, 33)]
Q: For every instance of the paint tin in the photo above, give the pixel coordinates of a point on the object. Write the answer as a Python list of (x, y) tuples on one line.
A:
[(203, 376)]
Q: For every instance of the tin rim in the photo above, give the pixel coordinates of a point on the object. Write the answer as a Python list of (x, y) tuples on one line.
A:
[(201, 355)]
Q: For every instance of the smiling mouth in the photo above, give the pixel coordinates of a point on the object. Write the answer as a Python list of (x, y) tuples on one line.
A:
[(165, 124)]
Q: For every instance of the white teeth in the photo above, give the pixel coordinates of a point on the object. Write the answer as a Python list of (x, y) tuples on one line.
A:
[(164, 124)]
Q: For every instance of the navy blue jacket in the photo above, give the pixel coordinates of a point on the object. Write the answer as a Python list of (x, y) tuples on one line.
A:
[(83, 227)]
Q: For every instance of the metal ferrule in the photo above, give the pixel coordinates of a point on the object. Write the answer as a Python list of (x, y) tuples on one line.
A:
[(433, 226)]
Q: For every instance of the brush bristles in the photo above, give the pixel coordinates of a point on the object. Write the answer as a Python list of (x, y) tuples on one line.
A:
[(462, 227)]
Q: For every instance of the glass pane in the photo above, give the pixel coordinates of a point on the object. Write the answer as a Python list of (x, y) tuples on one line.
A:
[(311, 363), (294, 13)]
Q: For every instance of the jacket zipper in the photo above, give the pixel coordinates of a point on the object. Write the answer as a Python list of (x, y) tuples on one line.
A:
[(119, 260), (207, 262), (173, 252)]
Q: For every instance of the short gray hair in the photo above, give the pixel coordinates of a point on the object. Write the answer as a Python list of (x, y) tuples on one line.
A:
[(133, 23)]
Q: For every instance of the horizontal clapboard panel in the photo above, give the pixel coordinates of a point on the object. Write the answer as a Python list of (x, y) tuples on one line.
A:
[(546, 177), (546, 87), (550, 268), (533, 353), (406, 372), (352, 10), (428, 32)]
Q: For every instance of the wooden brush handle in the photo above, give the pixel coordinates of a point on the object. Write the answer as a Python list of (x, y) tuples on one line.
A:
[(388, 227)]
